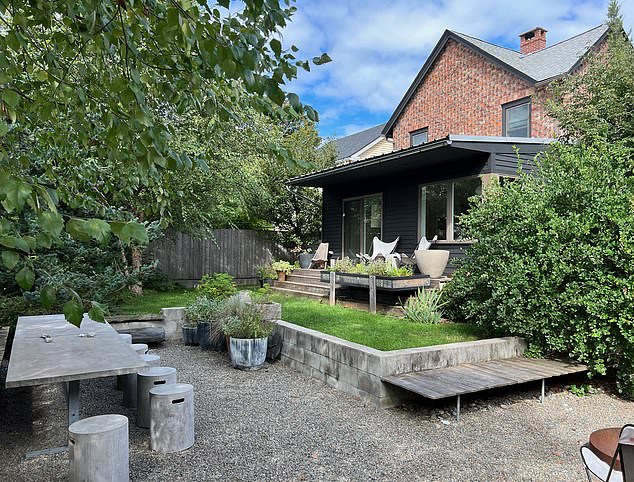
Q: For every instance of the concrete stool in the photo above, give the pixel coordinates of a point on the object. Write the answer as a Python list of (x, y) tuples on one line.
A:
[(130, 384), (140, 348), (172, 417), (128, 339), (147, 380), (98, 449)]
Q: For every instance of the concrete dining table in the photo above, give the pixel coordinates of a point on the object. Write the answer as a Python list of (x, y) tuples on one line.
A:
[(48, 349)]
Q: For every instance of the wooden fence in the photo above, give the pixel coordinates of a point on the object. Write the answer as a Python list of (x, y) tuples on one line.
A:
[(186, 259)]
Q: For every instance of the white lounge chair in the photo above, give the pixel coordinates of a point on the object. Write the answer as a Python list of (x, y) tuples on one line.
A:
[(425, 244), (320, 260), (380, 248)]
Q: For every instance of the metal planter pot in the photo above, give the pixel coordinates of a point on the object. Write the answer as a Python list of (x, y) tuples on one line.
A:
[(190, 335), (204, 334), (248, 353), (305, 260)]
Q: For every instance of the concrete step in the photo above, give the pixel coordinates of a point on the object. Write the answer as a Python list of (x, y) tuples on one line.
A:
[(312, 273), (311, 288), (301, 294), (300, 278)]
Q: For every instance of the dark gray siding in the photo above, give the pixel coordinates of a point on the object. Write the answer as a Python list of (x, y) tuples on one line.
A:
[(400, 200), (506, 163), (456, 251)]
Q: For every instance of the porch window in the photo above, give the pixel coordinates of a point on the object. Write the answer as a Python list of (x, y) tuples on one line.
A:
[(362, 220), (442, 204), (516, 120)]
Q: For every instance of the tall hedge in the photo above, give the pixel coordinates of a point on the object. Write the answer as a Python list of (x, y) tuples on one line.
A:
[(554, 258)]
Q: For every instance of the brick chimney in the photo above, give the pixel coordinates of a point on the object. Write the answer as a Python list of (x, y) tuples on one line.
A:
[(533, 40)]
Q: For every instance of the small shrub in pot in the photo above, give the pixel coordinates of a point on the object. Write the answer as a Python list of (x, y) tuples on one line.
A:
[(248, 335)]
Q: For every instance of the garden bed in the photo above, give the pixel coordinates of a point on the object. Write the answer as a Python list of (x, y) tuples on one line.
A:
[(391, 283)]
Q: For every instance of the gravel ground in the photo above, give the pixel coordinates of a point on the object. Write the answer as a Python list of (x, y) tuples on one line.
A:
[(276, 424)]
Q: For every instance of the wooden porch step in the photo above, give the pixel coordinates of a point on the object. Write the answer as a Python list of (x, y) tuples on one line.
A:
[(299, 293), (310, 273), (300, 278), (311, 288)]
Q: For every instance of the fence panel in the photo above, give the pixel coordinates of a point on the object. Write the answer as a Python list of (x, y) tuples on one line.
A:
[(186, 259)]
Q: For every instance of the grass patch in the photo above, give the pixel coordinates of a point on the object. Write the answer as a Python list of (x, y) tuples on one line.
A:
[(377, 331), (151, 302)]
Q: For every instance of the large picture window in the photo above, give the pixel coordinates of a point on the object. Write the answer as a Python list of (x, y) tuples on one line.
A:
[(442, 204), (516, 120), (362, 220)]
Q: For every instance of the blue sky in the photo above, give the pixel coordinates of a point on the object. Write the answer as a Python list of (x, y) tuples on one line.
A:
[(378, 46)]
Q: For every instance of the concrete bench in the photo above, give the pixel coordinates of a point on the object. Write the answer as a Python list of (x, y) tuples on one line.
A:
[(147, 335)]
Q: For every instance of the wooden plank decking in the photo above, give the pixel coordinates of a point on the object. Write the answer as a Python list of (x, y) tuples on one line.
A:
[(476, 377)]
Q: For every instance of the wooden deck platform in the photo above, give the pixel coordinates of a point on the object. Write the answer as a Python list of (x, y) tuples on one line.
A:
[(476, 377)]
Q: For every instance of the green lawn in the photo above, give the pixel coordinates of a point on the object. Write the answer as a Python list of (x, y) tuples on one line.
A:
[(153, 301), (377, 331)]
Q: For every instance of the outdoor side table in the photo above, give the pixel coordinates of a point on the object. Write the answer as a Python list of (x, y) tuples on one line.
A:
[(98, 449), (147, 380), (172, 417)]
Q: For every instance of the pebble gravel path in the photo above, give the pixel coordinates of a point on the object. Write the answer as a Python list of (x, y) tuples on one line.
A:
[(276, 424)]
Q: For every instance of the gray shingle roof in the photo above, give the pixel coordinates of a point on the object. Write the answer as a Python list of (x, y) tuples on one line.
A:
[(347, 146), (558, 59)]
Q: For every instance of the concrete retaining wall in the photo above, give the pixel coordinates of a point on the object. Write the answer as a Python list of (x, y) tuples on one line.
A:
[(357, 369), (171, 319)]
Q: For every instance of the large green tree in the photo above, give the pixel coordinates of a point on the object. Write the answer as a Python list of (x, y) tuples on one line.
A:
[(85, 87), (554, 257)]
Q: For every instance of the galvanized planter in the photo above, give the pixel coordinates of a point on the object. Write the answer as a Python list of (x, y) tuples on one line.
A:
[(400, 283), (248, 353), (204, 334), (190, 335)]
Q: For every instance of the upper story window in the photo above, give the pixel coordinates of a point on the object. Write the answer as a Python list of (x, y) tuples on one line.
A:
[(516, 118), (418, 137)]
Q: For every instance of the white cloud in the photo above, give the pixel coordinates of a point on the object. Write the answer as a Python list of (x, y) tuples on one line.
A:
[(377, 47)]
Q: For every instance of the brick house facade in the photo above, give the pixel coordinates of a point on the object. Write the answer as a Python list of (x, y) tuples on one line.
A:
[(463, 93)]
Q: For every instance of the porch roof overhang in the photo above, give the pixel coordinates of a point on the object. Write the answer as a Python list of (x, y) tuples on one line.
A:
[(451, 148)]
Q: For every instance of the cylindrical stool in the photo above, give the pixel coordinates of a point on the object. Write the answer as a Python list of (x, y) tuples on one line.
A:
[(129, 381), (172, 417), (140, 348), (98, 449), (145, 381), (128, 339)]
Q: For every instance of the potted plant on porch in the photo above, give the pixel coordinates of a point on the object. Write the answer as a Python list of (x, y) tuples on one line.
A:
[(248, 336), (282, 268)]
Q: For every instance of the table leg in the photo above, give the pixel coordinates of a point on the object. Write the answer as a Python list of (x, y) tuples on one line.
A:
[(73, 402), (72, 396), (458, 408), (541, 399)]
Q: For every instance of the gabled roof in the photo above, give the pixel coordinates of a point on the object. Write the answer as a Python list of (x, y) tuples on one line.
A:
[(349, 145), (540, 66)]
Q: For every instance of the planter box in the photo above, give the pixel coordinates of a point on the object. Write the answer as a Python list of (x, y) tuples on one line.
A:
[(400, 283)]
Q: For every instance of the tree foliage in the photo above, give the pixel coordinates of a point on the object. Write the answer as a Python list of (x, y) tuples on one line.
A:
[(85, 88), (554, 260)]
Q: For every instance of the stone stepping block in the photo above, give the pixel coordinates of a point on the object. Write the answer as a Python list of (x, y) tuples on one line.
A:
[(148, 335)]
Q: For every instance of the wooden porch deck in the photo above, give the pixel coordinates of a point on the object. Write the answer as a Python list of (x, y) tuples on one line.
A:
[(476, 377)]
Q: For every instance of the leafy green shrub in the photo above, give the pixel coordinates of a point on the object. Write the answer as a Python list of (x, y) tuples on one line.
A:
[(283, 266), (424, 307), (554, 261), (581, 390), (205, 309), (155, 279), (10, 308), (266, 271), (219, 285)]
